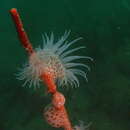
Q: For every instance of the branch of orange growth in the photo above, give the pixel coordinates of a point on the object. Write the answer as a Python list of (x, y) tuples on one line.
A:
[(20, 30), (27, 45), (58, 98), (48, 80)]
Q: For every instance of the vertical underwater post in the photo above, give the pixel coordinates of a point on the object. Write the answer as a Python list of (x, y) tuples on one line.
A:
[(20, 30), (58, 99)]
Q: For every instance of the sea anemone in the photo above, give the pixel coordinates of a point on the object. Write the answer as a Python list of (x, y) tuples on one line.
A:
[(55, 58), (82, 126)]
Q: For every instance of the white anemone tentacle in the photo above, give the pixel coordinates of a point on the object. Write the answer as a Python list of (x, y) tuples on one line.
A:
[(54, 57)]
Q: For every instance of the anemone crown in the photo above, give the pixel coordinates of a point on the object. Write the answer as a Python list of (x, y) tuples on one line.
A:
[(55, 58)]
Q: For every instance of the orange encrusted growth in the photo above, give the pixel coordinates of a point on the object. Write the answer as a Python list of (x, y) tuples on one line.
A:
[(56, 114), (20, 30), (57, 118), (48, 80), (58, 100)]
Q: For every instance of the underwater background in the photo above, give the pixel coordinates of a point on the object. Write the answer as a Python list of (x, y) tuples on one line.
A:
[(105, 27)]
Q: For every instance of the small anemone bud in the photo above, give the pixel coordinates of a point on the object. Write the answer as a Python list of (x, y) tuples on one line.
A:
[(58, 100)]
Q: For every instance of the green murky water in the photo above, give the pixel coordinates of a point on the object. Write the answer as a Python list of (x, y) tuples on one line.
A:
[(105, 26)]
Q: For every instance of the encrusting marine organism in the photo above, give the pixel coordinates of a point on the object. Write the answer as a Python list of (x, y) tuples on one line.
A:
[(49, 64), (55, 114)]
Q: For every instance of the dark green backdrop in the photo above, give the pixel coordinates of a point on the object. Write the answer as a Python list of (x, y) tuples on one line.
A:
[(105, 27)]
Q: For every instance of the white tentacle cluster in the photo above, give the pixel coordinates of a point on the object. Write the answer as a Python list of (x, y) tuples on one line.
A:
[(82, 126), (55, 58)]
